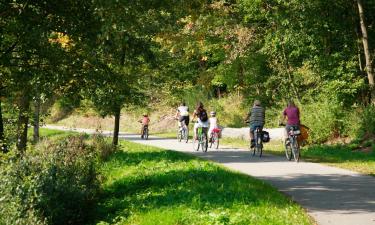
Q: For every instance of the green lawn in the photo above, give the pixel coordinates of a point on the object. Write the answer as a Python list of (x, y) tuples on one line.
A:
[(342, 156), (147, 185)]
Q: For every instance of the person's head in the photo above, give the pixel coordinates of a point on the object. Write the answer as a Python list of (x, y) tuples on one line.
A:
[(213, 113), (200, 105), (145, 115), (183, 104), (291, 103), (256, 102)]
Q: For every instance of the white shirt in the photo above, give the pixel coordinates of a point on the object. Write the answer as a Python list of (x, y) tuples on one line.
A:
[(184, 110), (213, 122)]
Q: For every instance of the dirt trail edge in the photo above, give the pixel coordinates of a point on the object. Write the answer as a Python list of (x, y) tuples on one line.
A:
[(330, 195)]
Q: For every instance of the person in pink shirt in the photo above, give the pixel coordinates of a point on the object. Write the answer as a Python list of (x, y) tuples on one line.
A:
[(291, 113), (144, 121)]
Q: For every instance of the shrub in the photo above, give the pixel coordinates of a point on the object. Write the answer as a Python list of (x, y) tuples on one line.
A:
[(325, 120), (56, 183), (104, 147), (367, 123)]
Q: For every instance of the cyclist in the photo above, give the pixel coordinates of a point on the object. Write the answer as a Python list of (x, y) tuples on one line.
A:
[(213, 121), (291, 113), (202, 120), (256, 117), (144, 121), (182, 114)]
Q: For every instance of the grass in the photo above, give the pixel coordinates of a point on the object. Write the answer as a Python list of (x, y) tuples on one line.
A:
[(342, 156), (146, 185), (50, 134)]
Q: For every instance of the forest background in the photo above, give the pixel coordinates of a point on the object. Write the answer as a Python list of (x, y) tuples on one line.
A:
[(113, 58)]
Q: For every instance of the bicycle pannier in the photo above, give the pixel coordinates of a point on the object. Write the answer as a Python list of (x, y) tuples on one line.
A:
[(265, 136)]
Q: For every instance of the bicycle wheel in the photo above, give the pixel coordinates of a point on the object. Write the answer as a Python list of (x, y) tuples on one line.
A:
[(211, 140), (196, 144), (179, 135), (288, 150), (295, 148), (260, 146), (255, 148), (145, 134), (186, 135), (204, 142), (216, 141)]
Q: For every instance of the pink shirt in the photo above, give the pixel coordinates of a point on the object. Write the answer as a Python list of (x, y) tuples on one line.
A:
[(145, 120), (293, 115)]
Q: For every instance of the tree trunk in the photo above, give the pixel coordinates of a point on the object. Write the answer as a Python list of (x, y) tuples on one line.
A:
[(3, 146), (366, 48), (23, 121), (117, 126), (36, 120)]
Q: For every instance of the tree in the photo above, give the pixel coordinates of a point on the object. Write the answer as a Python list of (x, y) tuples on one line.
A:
[(125, 49), (366, 48), (27, 51)]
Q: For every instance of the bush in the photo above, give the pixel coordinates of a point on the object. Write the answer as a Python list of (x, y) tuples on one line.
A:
[(56, 183), (367, 123), (325, 120), (104, 147)]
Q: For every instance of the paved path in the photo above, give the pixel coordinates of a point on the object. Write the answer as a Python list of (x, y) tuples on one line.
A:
[(330, 195)]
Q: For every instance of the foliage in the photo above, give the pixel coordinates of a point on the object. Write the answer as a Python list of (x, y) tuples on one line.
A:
[(367, 123), (56, 183), (145, 184), (102, 146)]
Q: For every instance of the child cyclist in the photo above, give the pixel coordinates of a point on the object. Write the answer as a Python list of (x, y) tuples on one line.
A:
[(144, 121), (213, 121)]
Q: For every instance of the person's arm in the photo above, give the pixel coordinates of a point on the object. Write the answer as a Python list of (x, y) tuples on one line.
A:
[(177, 112), (247, 116), (193, 116), (283, 116)]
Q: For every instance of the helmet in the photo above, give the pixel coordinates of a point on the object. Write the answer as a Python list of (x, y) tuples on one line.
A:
[(145, 114), (213, 113)]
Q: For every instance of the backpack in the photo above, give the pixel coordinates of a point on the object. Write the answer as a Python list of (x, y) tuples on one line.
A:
[(265, 136), (203, 116)]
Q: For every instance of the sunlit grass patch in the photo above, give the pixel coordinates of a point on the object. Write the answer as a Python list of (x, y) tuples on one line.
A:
[(147, 185), (342, 156)]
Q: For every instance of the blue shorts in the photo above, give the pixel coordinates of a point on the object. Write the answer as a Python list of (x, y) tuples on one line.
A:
[(253, 127)]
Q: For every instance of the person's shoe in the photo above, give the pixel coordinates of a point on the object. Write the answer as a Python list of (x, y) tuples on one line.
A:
[(252, 144)]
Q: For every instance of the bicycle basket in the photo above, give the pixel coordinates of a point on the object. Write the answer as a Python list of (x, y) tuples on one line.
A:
[(265, 136), (216, 130), (295, 132)]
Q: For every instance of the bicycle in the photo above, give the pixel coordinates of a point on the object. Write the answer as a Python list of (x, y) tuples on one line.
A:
[(183, 133), (144, 134), (201, 140), (292, 147), (214, 139), (258, 147)]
